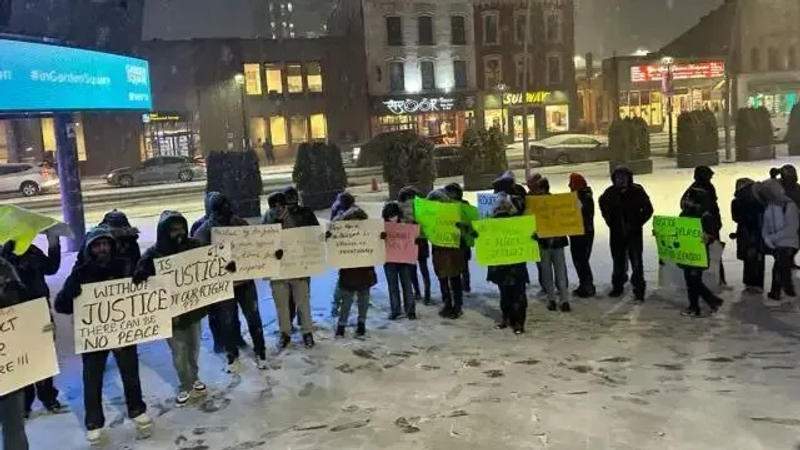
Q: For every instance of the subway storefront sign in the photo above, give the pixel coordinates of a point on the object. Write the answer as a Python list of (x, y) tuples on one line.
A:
[(497, 101), (421, 104)]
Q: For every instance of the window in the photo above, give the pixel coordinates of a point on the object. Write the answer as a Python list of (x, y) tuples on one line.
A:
[(553, 27), (274, 79), (755, 59), (299, 129), (554, 69), (458, 34), (425, 30), (772, 59), (490, 28), (460, 74), (397, 77), (252, 79), (519, 27), (294, 78), (394, 31), (427, 74), (520, 68), (319, 127), (791, 58), (277, 130), (492, 71), (314, 77)]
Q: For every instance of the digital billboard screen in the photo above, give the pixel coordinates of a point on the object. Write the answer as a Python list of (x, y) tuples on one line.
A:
[(42, 77)]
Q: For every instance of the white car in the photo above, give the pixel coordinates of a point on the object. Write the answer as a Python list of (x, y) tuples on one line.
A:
[(27, 179)]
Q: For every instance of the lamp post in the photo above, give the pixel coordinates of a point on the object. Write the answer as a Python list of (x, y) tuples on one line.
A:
[(239, 79), (502, 89), (525, 75), (666, 88)]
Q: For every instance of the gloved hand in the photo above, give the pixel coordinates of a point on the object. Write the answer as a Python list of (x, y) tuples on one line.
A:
[(383, 235), (419, 240), (278, 254), (535, 237), (474, 234), (328, 235), (48, 328), (231, 267), (139, 278), (8, 247)]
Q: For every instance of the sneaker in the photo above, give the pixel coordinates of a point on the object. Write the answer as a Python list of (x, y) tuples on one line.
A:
[(584, 292), (94, 436), (241, 343), (456, 313), (233, 367), (411, 316), (774, 296), (565, 307), (427, 300), (199, 386), (393, 316), (340, 331), (691, 312), (55, 407), (519, 331), (308, 340), (144, 425), (638, 297), (717, 304), (501, 326), (183, 398), (284, 341), (447, 311), (361, 329), (552, 306), (616, 292), (261, 362)]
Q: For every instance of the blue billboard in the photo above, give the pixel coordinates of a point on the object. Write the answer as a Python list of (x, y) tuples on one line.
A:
[(42, 77)]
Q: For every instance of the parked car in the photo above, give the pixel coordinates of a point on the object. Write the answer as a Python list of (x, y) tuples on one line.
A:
[(161, 169), (448, 160), (569, 148), (27, 178)]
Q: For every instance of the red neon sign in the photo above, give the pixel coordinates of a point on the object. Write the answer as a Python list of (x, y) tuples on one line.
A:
[(681, 71)]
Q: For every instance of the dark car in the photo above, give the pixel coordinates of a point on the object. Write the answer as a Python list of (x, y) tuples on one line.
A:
[(569, 148), (161, 169), (448, 160)]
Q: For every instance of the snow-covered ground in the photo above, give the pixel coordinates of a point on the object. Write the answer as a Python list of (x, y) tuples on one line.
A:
[(609, 375)]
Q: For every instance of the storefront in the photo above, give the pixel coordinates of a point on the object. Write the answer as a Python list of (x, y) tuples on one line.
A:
[(169, 134), (548, 113), (441, 118), (778, 96)]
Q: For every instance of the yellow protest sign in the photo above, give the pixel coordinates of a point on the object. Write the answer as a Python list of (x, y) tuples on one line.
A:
[(27, 353), (22, 226), (556, 214)]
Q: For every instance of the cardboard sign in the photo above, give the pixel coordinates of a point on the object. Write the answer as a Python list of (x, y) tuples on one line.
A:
[(438, 221), (486, 202), (197, 278), (303, 252), (680, 240), (556, 214), (401, 245), (356, 243), (27, 354), (118, 313), (22, 226), (252, 248), (506, 241)]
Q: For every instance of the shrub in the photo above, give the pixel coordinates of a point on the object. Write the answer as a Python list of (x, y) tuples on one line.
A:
[(697, 132), (236, 174), (709, 123), (408, 159), (319, 168), (629, 139), (753, 128), (483, 151), (372, 152)]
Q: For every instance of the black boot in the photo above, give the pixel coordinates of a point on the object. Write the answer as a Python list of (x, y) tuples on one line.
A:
[(552, 306), (361, 329), (616, 292), (308, 340), (284, 341), (340, 331)]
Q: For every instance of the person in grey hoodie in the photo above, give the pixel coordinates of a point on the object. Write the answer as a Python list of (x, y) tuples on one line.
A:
[(780, 233)]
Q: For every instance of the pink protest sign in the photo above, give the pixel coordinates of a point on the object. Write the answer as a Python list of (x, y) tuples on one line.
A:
[(401, 246)]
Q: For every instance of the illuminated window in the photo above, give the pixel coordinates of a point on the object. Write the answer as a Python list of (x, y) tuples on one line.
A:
[(252, 79), (299, 127), (314, 77), (319, 127), (277, 130), (294, 78), (274, 79), (48, 134)]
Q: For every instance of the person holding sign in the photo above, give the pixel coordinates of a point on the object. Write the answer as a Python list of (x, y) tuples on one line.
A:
[(101, 263), (747, 210), (779, 232), (553, 266), (398, 275), (406, 201), (581, 246), (457, 194), (448, 264), (626, 208)]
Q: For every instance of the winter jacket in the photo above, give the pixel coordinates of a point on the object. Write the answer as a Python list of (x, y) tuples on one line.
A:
[(586, 198), (781, 221), (125, 235), (625, 211), (700, 201), (32, 267), (12, 291), (447, 262), (220, 215), (748, 213), (405, 199), (358, 278), (509, 274), (299, 216), (90, 271), (789, 183)]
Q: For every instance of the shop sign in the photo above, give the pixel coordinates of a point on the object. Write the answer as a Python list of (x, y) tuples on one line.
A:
[(519, 98), (160, 117), (682, 71), (422, 105)]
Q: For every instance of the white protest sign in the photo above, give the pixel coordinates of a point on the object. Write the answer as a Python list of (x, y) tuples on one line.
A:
[(196, 278), (356, 243), (252, 248), (486, 202), (27, 354), (118, 313), (303, 252)]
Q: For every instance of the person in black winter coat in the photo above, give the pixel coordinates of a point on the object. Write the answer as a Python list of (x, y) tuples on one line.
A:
[(102, 263), (222, 315), (455, 192), (405, 199), (125, 235), (581, 246), (626, 208), (747, 210)]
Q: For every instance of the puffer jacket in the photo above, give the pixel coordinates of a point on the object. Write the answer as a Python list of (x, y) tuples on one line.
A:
[(781, 221), (358, 278), (12, 290), (625, 211), (748, 213)]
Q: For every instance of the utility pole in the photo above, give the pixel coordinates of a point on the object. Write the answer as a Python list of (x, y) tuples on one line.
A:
[(526, 64), (726, 119)]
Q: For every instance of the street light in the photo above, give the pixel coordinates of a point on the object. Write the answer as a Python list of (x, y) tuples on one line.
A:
[(239, 80), (666, 88), (502, 87)]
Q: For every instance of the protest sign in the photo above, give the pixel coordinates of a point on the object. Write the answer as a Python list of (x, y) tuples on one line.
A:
[(118, 313), (506, 241), (401, 243), (197, 278), (27, 354), (22, 226), (303, 252), (252, 248), (486, 202), (680, 240), (438, 221), (556, 214), (356, 243)]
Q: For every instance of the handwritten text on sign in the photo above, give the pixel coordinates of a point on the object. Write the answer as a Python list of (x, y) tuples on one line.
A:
[(303, 252), (356, 243), (506, 241), (401, 243), (438, 221), (680, 240), (252, 248), (27, 354), (197, 278), (556, 215), (118, 313), (486, 202)]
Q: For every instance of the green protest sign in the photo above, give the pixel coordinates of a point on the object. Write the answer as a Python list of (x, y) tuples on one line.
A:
[(438, 221), (680, 240), (506, 241)]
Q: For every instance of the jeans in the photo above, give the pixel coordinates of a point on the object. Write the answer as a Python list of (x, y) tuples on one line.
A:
[(753, 273), (297, 289), (465, 276), (782, 272), (12, 418), (452, 293), (44, 390), (422, 264), (581, 249), (696, 289), (398, 276), (185, 347), (553, 264), (514, 305), (622, 251), (247, 298), (215, 324), (346, 301), (94, 366)]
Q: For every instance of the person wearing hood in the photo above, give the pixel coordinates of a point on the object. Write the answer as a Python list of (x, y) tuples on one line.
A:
[(245, 293), (405, 199), (626, 208), (126, 236), (172, 238), (289, 214), (275, 200), (553, 264), (581, 246), (102, 263), (788, 180), (398, 275), (780, 233), (455, 192), (354, 282), (747, 210), (700, 201), (448, 265)]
